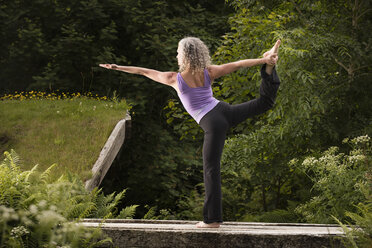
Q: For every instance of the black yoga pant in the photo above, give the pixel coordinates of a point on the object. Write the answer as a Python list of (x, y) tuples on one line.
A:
[(215, 125)]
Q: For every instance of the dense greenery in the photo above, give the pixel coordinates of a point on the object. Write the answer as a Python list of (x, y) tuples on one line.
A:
[(324, 66), (360, 233), (37, 211), (325, 70), (325, 93), (58, 45), (340, 181)]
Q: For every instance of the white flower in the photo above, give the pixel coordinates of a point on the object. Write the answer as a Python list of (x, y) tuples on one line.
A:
[(33, 209), (309, 161), (356, 158), (361, 139), (19, 231)]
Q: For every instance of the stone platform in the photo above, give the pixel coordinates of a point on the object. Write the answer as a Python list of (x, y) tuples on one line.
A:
[(161, 233)]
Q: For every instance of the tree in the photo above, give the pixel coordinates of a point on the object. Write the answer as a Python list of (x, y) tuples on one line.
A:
[(57, 45), (324, 92), (324, 66)]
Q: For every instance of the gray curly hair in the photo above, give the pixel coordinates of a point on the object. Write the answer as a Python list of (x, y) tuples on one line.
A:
[(194, 55)]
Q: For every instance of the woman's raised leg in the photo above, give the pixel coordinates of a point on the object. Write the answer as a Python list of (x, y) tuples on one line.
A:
[(268, 89)]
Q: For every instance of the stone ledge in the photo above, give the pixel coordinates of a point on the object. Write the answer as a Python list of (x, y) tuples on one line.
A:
[(151, 233)]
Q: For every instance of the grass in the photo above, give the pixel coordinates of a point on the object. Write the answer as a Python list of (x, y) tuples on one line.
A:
[(69, 130)]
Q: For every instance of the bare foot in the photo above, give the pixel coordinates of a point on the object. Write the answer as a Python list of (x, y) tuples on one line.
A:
[(208, 225), (273, 50)]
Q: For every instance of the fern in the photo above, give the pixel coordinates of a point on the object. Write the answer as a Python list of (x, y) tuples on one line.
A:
[(11, 160), (360, 234), (45, 176), (81, 210), (28, 174), (128, 212), (44, 208), (151, 213)]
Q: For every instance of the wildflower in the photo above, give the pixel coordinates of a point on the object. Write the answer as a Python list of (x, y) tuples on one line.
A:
[(361, 139), (33, 209), (356, 158), (19, 231), (309, 161)]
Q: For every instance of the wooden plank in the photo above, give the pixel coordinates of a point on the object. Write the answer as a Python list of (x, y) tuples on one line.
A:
[(108, 153)]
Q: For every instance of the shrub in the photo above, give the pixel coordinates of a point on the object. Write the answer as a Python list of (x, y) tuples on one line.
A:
[(341, 182), (360, 234), (36, 211)]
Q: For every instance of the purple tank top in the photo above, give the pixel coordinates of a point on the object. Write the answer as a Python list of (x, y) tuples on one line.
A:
[(197, 101)]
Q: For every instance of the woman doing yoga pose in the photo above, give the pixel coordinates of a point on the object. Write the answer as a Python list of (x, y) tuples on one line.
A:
[(193, 85)]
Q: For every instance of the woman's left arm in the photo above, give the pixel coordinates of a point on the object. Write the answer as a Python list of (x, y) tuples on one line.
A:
[(167, 78)]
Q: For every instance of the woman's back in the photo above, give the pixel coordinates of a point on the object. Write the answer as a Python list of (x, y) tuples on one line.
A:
[(194, 81), (195, 93)]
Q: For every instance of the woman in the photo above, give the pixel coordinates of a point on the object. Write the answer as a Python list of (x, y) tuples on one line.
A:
[(193, 85)]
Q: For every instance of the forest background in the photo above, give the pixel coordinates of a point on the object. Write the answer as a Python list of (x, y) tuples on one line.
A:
[(306, 160)]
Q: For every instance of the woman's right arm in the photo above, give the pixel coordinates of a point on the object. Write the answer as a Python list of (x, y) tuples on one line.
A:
[(217, 71), (270, 58), (168, 78)]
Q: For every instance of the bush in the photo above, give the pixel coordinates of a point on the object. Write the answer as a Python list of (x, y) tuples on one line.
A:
[(38, 212), (341, 182), (360, 234)]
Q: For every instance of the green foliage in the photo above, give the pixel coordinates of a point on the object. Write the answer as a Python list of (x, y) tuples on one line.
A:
[(156, 175), (340, 182), (190, 207), (316, 91), (154, 214), (36, 211), (324, 67), (127, 212), (59, 44), (278, 216), (255, 181), (42, 226), (324, 96), (360, 233)]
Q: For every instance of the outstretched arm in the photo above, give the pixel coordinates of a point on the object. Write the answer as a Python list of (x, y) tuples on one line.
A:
[(270, 58), (217, 71), (168, 78)]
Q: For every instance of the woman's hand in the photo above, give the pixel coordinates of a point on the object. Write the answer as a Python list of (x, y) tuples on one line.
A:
[(271, 58), (109, 66)]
